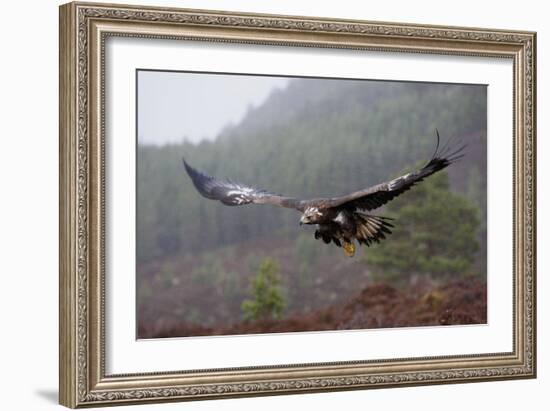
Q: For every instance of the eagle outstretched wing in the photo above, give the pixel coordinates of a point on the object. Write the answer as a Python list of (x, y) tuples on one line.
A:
[(378, 195), (233, 194)]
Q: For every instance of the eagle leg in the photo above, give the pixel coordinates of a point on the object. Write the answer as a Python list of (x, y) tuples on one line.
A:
[(349, 248)]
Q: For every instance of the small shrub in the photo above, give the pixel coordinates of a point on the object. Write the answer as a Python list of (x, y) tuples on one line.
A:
[(268, 301)]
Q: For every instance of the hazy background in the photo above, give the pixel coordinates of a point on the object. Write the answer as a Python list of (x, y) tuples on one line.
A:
[(201, 266), (174, 107)]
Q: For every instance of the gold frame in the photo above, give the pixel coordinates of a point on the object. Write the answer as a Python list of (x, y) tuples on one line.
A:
[(83, 30)]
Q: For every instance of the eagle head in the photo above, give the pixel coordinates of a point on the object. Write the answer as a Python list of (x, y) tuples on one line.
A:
[(311, 215)]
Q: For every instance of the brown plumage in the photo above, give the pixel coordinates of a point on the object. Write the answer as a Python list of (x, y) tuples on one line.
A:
[(340, 220)]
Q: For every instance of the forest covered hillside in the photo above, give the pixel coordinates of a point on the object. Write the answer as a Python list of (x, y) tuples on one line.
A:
[(314, 138)]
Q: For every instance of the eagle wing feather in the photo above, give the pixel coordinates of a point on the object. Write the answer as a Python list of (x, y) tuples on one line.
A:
[(378, 195), (234, 194)]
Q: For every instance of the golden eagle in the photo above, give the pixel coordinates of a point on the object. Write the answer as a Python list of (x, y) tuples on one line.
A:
[(340, 220)]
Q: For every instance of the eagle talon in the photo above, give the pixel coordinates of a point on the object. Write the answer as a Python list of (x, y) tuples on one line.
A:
[(349, 248)]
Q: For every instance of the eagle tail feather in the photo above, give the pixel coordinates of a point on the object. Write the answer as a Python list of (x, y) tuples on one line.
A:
[(371, 228)]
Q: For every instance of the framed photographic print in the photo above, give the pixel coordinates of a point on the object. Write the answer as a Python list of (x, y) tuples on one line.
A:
[(259, 204)]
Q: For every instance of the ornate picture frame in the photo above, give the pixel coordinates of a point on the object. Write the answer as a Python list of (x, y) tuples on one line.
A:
[(84, 30)]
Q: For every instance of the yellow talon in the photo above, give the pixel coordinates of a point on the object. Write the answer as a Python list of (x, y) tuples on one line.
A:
[(349, 249)]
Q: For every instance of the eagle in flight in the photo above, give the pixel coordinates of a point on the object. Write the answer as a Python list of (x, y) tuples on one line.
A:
[(340, 220)]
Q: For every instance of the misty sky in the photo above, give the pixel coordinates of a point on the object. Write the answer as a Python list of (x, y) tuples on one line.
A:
[(175, 106)]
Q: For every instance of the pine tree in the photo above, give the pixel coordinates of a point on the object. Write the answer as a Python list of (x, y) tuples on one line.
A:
[(268, 301), (435, 235)]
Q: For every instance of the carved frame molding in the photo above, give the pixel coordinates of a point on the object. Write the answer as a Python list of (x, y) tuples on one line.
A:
[(83, 30)]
